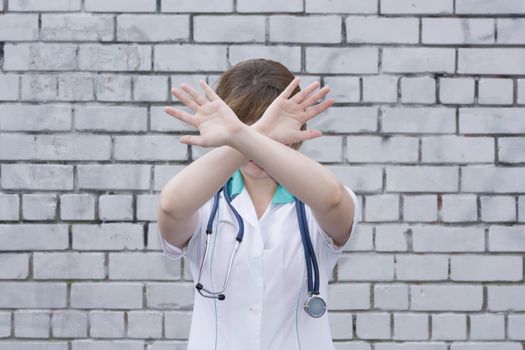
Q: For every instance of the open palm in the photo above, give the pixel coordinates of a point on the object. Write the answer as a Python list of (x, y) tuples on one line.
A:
[(283, 119)]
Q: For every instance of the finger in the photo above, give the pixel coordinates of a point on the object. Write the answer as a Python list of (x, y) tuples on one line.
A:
[(185, 99), (317, 109), (209, 91), (309, 134), (181, 115), (300, 96), (201, 100), (315, 97), (192, 140), (289, 89)]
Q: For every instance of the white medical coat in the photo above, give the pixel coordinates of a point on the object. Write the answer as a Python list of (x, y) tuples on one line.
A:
[(267, 288)]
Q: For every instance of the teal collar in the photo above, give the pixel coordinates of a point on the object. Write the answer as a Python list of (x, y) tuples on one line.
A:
[(281, 194)]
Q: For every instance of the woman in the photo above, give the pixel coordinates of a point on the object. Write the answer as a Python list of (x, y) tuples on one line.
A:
[(256, 120)]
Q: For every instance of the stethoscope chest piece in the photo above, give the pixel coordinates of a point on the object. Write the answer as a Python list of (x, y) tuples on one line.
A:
[(315, 306)]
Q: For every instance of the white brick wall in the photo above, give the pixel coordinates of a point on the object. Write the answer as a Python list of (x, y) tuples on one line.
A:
[(428, 128)]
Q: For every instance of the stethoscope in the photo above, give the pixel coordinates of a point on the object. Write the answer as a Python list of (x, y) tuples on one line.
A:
[(315, 306)]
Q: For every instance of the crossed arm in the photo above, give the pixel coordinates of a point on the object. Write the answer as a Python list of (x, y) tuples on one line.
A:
[(308, 180)]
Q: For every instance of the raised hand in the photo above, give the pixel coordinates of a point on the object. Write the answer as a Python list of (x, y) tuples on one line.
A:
[(214, 119), (283, 119)]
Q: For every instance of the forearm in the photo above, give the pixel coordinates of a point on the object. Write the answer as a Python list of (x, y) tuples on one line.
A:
[(187, 191), (308, 180)]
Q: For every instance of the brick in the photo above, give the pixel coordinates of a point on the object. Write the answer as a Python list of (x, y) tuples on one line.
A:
[(323, 149), (382, 30), (430, 178), (486, 268), (163, 173), (151, 88), (149, 147), (115, 57), (34, 345), (115, 207), (114, 176), (339, 300), (495, 91), (37, 176), (33, 236), (482, 178), (196, 6), (342, 60), (113, 88), (491, 60), (506, 239), (180, 318), (382, 207), (39, 87), (36, 57), (459, 208), (521, 91), (18, 27), (315, 29), (9, 204), (47, 117), (379, 149), (13, 266), (516, 324), (411, 326), (76, 27), (449, 326), (391, 296), (109, 236), (178, 295), (77, 206), (55, 147), (498, 208), (346, 119), (343, 89), (32, 295), (9, 87), (510, 30), (290, 56), (39, 206), (380, 88), (109, 344), (389, 237), (70, 265), (487, 327), (44, 6), (457, 31), (5, 319), (206, 57), (418, 59), (505, 298), (418, 119), (147, 207), (456, 90), (120, 5), (106, 295), (106, 324), (268, 6), (430, 238), (420, 208), (417, 6), (489, 7), (491, 120), (144, 324), (142, 266), (366, 267), (69, 324), (373, 325), (341, 325), (457, 149), (76, 87), (144, 28), (427, 267), (31, 324), (110, 118), (511, 149), (341, 6), (458, 297), (418, 90)]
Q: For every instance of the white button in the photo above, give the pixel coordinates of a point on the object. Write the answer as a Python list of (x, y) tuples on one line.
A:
[(255, 309)]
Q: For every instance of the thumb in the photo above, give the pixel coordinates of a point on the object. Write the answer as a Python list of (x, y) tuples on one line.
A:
[(309, 134), (192, 140)]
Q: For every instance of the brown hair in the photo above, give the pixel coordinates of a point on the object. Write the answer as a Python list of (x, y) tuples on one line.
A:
[(250, 86)]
